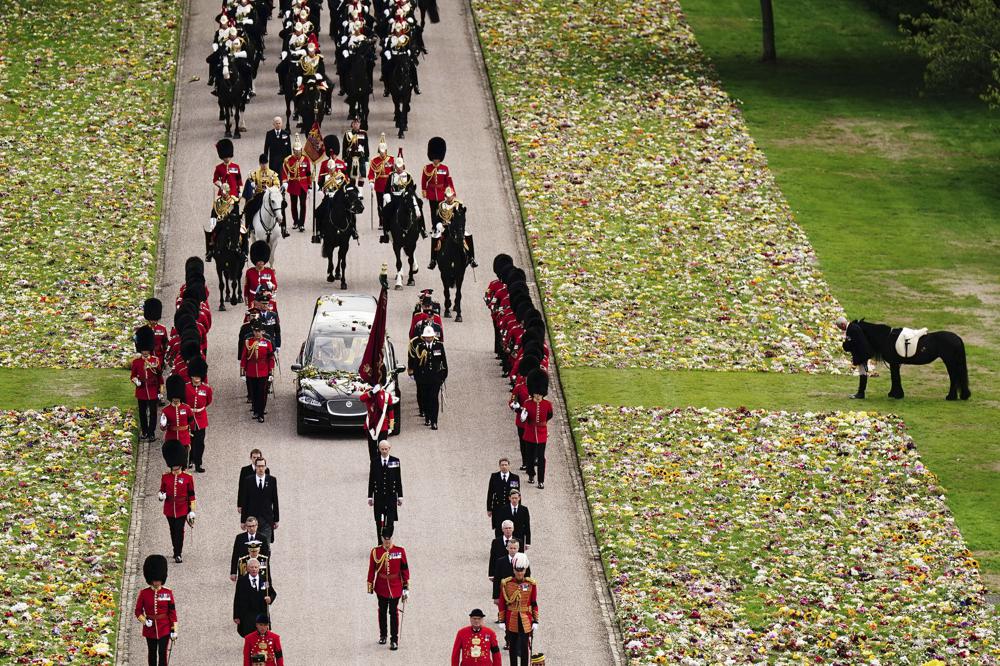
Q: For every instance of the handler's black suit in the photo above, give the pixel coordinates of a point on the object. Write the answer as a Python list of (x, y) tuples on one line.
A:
[(249, 602), (521, 520), (240, 549), (498, 493), (385, 486), (261, 503)]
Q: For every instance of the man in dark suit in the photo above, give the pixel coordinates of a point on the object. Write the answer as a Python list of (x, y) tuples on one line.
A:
[(277, 145), (247, 470), (240, 545), (385, 488), (259, 497), (499, 545), (498, 490), (254, 595), (503, 566), (517, 514)]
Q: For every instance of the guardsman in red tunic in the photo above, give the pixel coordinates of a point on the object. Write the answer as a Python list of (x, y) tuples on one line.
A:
[(435, 178), (147, 375), (389, 580), (379, 171), (198, 396), (296, 174), (227, 171), (256, 364), (177, 418), (476, 645), (519, 611), (259, 273), (156, 610), (152, 312), (535, 414), (263, 647), (177, 495), (380, 417)]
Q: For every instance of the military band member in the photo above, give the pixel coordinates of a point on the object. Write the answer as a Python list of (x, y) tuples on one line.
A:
[(296, 174), (198, 396), (389, 580), (428, 365), (241, 546), (257, 364), (380, 170), (147, 375), (435, 177), (263, 646), (379, 417), (519, 611), (177, 418), (385, 488), (259, 273), (476, 645), (259, 180), (355, 147), (331, 162), (225, 204), (156, 610), (252, 598), (177, 495)]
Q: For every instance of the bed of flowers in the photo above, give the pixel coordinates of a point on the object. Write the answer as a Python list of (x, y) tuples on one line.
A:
[(660, 237), (65, 489), (84, 114), (737, 536)]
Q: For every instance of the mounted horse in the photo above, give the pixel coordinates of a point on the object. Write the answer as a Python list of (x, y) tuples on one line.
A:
[(231, 89), (267, 219), (903, 346), (310, 105), (335, 218), (230, 257), (401, 82), (452, 259), (357, 81), (404, 219)]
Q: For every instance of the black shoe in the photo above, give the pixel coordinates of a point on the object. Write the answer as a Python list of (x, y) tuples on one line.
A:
[(427, 422), (284, 233), (260, 419), (473, 262), (383, 238), (281, 92), (354, 235), (208, 257), (432, 266), (434, 426), (381, 640), (531, 480), (178, 559), (215, 92), (211, 82), (416, 90), (385, 93), (541, 485), (199, 469), (394, 645)]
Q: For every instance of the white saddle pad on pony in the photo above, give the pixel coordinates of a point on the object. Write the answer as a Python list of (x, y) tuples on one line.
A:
[(906, 343)]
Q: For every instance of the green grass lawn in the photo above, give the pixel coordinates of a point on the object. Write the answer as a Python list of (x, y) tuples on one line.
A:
[(895, 190), (38, 388)]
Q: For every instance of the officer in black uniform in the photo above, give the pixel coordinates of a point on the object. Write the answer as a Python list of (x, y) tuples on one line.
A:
[(428, 365)]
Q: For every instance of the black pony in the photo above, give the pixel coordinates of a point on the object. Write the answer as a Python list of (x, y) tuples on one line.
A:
[(401, 88), (230, 256), (231, 89), (335, 216), (938, 344), (452, 259)]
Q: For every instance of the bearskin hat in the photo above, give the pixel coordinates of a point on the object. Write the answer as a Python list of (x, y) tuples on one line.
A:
[(529, 363), (538, 382), (145, 340), (522, 306), (436, 148), (500, 261), (260, 250), (174, 453), (387, 532), (197, 367), (332, 144), (195, 290), (190, 349), (193, 266), (224, 147), (532, 317), (175, 387), (184, 321), (155, 569), (152, 309), (516, 275)]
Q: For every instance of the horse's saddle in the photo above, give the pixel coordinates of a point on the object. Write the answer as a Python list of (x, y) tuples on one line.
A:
[(907, 342)]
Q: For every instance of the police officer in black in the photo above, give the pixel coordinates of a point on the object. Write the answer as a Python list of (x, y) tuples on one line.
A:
[(428, 365), (385, 489)]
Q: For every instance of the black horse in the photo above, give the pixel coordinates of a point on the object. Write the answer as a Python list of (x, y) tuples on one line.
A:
[(335, 216), (452, 259), (310, 105), (401, 89), (945, 345), (405, 226), (230, 256), (231, 89), (357, 82)]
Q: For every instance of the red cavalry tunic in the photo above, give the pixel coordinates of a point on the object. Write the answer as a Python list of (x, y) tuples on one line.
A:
[(229, 173), (476, 647), (176, 423), (380, 170), (519, 600), (536, 428), (434, 180), (158, 606), (254, 278), (328, 166), (258, 357), (149, 372), (378, 405), (388, 572), (251, 646), (198, 398), (297, 172), (180, 493)]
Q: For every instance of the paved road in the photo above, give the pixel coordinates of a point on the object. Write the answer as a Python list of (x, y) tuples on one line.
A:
[(320, 556)]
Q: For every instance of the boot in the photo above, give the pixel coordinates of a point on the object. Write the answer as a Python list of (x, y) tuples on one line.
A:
[(862, 385), (471, 247), (354, 229), (208, 246), (284, 230), (433, 263)]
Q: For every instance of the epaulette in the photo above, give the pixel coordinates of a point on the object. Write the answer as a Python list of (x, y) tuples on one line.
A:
[(531, 580), (504, 581)]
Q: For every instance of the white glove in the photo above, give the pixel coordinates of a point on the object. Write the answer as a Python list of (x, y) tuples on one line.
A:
[(192, 515), (376, 388), (406, 594), (270, 378), (534, 625), (524, 415), (248, 21), (298, 52), (163, 420), (515, 405), (137, 381), (284, 54), (386, 198), (284, 187), (149, 622), (215, 47), (162, 496), (240, 54), (318, 78), (298, 81), (173, 635)]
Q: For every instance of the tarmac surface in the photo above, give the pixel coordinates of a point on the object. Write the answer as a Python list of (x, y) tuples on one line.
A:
[(321, 549)]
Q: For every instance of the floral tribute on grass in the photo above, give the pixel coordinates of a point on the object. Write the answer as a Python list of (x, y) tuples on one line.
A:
[(660, 237), (84, 113), (65, 489), (737, 536)]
